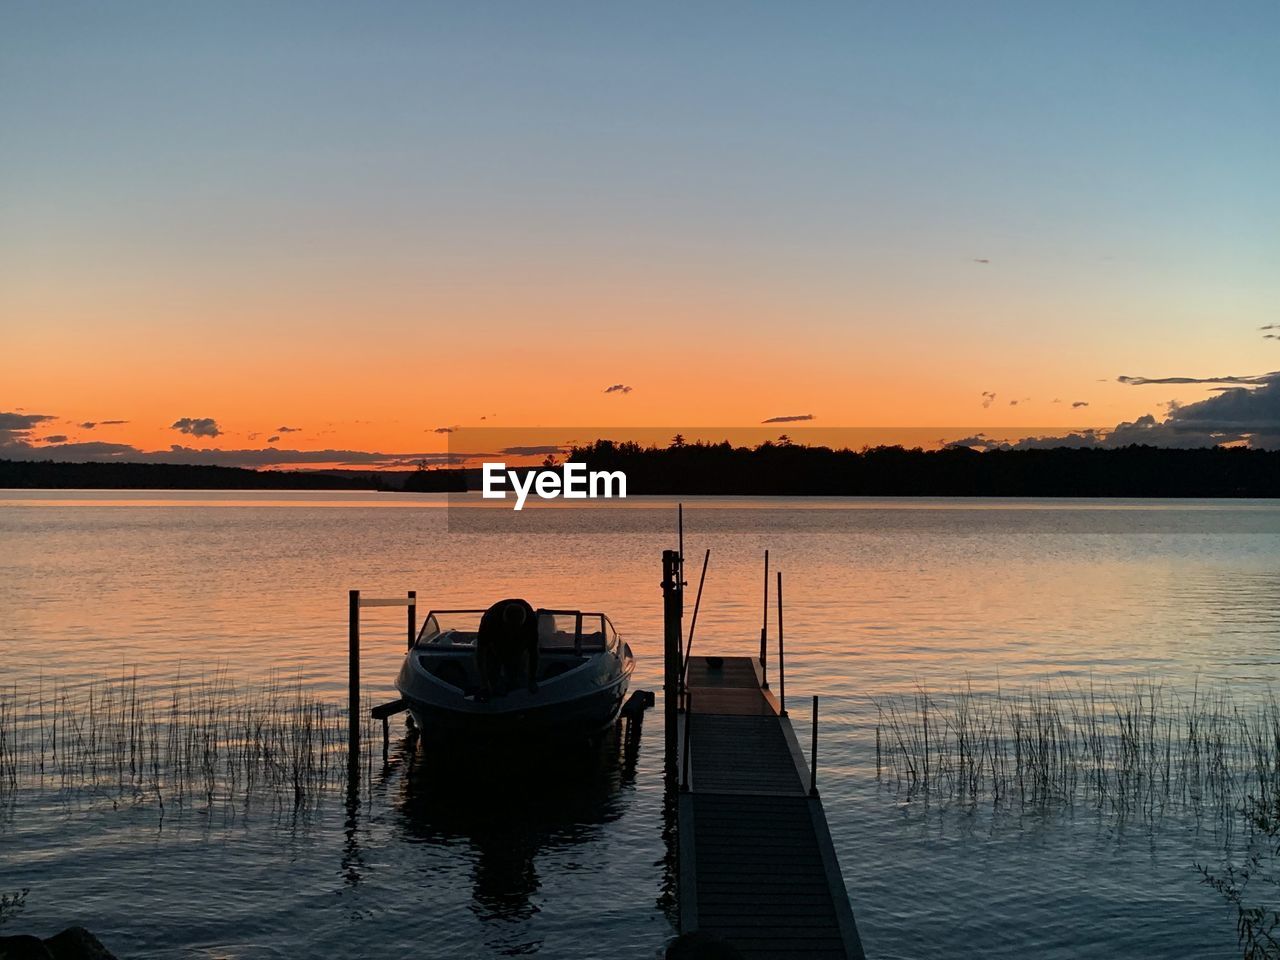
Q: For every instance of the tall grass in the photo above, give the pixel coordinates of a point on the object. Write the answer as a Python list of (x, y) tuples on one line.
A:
[(196, 739), (1138, 750)]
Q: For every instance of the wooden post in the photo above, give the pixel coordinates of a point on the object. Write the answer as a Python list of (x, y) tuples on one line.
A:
[(353, 679), (782, 661), (672, 605), (813, 752), (413, 617), (764, 629)]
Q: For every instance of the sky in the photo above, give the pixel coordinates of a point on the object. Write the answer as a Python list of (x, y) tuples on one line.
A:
[(370, 223)]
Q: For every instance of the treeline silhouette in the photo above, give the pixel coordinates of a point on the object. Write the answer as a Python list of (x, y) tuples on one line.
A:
[(771, 469), (52, 475), (784, 468)]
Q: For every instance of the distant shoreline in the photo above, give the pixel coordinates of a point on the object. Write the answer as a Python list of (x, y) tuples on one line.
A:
[(767, 470)]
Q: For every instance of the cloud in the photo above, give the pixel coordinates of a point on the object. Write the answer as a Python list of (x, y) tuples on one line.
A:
[(981, 260), (197, 426), (977, 440), (795, 418), (90, 424), (446, 429), (1076, 405), (1270, 326), (1258, 380), (988, 398), (23, 421), (1246, 413), (1240, 409), (531, 451), (272, 439), (618, 388), (55, 438), (15, 428), (288, 429)]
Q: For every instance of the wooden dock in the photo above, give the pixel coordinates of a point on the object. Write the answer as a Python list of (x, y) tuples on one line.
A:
[(756, 862)]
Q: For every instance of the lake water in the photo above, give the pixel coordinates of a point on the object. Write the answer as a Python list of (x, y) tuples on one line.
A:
[(883, 599)]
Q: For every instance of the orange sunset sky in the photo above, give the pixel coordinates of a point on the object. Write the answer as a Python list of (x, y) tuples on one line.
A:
[(366, 227)]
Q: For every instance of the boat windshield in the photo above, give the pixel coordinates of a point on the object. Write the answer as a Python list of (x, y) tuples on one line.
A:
[(575, 631), (559, 631), (448, 628)]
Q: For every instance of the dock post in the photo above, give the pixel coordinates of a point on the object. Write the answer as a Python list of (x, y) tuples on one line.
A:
[(413, 617), (672, 606), (782, 662), (764, 629), (353, 679), (813, 752)]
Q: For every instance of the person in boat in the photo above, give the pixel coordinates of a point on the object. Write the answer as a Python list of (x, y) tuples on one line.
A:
[(507, 647)]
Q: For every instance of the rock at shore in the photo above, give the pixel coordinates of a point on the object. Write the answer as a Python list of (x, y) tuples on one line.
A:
[(73, 943)]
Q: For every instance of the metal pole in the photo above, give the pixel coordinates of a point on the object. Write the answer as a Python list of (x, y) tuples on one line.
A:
[(813, 752), (680, 527), (672, 604), (688, 727), (693, 624), (764, 629), (353, 678), (782, 662), (413, 617)]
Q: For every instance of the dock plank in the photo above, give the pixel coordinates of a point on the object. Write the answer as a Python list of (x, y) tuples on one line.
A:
[(763, 873)]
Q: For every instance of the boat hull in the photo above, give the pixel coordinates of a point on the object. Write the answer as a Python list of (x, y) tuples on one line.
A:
[(574, 718)]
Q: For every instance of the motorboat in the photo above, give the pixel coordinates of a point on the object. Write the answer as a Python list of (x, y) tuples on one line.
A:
[(583, 668)]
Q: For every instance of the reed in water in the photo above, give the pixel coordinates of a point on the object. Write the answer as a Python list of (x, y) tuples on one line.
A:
[(194, 740), (1139, 750)]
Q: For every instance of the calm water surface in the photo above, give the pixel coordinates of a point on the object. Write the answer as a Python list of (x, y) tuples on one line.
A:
[(883, 597)]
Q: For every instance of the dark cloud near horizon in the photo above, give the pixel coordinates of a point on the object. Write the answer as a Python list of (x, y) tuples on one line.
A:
[(618, 388), (795, 418), (272, 439), (1257, 380), (446, 429), (1077, 404), (977, 440), (16, 427), (91, 424), (54, 438), (288, 429), (531, 451), (988, 398), (197, 426), (1246, 413), (23, 421)]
